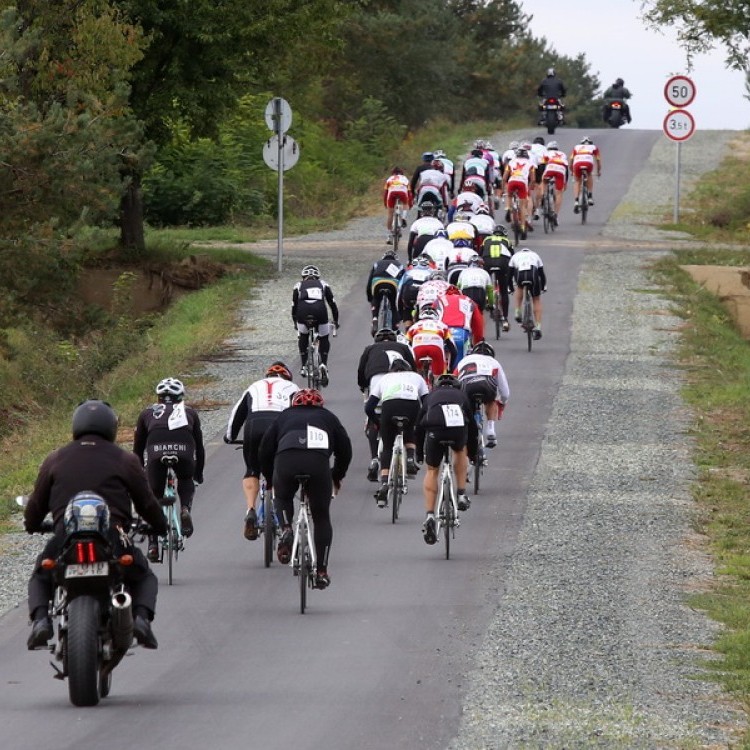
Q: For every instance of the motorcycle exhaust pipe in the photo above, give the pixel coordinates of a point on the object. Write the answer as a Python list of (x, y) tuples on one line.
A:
[(122, 620)]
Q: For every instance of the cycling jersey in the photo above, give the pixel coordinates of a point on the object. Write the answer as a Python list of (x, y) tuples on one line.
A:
[(397, 188), (479, 368)]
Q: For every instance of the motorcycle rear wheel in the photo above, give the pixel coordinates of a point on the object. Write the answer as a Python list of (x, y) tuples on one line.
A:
[(550, 120), (83, 651)]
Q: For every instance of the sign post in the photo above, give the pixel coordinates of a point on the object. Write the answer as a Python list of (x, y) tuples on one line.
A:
[(679, 125), (280, 153)]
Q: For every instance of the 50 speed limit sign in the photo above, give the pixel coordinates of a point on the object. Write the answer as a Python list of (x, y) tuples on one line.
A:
[(679, 91), (679, 125)]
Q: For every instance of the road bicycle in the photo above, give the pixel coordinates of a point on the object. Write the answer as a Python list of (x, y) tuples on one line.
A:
[(268, 524), (446, 507), (548, 206), (425, 370), (173, 541), (303, 548), (398, 222), (385, 314), (497, 310), (312, 366), (515, 217), (397, 485), (528, 323), (481, 460), (584, 195)]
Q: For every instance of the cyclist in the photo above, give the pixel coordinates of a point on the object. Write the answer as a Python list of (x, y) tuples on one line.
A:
[(446, 415), (427, 158), (484, 225), (385, 276), (527, 266), (458, 259), (257, 409), (438, 248), (537, 154), (415, 275), (430, 338), (480, 374), (496, 253), (467, 201), (432, 291), (170, 426), (508, 154), (396, 188), (518, 178), (301, 441), (583, 156), (448, 169), (92, 462), (464, 319), (375, 361), (399, 393), (423, 230), (461, 228), (476, 284), (432, 186), (309, 298), (557, 169)]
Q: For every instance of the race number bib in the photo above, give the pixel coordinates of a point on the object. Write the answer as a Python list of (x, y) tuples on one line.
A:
[(317, 438), (178, 418), (392, 270), (453, 415), (314, 293)]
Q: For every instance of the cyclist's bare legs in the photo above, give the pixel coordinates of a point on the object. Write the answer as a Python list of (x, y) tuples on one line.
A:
[(389, 218), (429, 488), (536, 303), (251, 487), (460, 467)]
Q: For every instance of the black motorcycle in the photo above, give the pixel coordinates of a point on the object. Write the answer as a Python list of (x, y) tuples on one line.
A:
[(617, 114), (91, 609), (551, 115)]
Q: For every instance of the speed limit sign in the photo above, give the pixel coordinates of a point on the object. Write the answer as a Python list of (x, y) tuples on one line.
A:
[(679, 91), (679, 125)]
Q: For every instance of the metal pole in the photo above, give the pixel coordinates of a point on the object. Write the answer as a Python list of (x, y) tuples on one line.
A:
[(676, 215), (280, 136)]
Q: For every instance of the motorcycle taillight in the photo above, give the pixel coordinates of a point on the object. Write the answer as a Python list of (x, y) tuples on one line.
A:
[(85, 552)]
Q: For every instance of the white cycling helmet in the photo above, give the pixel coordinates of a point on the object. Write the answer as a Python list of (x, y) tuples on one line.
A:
[(310, 272), (171, 388)]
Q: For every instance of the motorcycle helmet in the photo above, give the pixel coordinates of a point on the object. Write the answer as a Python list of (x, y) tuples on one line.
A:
[(619, 82), (170, 389), (501, 229), (310, 272), (400, 365), (86, 511), (95, 417), (550, 72), (483, 348), (385, 334), (279, 369), (585, 139), (307, 397), (448, 380)]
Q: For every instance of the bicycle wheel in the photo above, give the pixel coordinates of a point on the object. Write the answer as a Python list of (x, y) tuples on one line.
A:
[(584, 198), (266, 505), (395, 484), (384, 313), (304, 564), (479, 463), (546, 212), (528, 317), (396, 225), (448, 514), (170, 541), (313, 360), (551, 201)]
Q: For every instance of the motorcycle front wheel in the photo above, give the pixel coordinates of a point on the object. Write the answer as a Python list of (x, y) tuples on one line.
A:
[(83, 651)]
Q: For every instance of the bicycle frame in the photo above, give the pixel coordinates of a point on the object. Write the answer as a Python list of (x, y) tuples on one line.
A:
[(446, 507), (399, 214), (303, 560), (173, 541), (397, 486), (527, 314), (267, 522), (548, 205), (584, 195), (312, 367), (481, 460)]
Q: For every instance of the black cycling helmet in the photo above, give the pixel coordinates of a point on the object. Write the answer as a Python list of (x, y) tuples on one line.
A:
[(390, 254), (501, 229), (385, 334), (539, 140), (448, 380), (95, 417), (400, 365), (427, 208), (483, 348), (428, 156)]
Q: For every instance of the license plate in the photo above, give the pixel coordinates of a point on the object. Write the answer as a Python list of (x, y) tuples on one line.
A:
[(87, 570)]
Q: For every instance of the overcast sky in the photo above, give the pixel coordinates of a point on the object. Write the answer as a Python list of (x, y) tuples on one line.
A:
[(618, 44)]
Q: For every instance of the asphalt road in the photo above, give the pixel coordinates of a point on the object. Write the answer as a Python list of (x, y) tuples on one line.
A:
[(379, 660)]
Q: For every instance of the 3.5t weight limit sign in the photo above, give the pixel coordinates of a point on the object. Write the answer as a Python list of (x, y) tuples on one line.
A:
[(679, 91), (679, 125)]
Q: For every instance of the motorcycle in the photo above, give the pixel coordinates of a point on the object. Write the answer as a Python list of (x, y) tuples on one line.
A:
[(552, 114), (616, 114), (91, 609)]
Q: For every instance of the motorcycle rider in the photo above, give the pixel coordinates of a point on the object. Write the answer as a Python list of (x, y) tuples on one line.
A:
[(617, 92), (171, 426), (93, 462), (551, 87)]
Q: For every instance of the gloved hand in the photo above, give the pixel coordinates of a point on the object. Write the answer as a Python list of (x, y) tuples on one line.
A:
[(198, 480), (226, 440)]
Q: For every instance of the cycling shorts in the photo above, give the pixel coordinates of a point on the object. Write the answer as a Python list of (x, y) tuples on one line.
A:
[(395, 195), (478, 294), (578, 166), (433, 450), (484, 387), (529, 276), (256, 425), (519, 187), (436, 354)]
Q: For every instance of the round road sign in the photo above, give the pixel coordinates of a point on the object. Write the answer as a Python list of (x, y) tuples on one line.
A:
[(679, 125), (289, 152), (278, 109), (679, 91)]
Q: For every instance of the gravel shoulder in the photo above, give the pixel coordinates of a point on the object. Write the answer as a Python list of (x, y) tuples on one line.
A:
[(592, 644)]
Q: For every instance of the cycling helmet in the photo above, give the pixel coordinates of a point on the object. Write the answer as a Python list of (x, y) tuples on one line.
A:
[(477, 152), (463, 216), (471, 172), (476, 262), (428, 156), (441, 233), (526, 146), (428, 311), (423, 261), (307, 397), (437, 164), (437, 274), (170, 389), (279, 369), (448, 380), (539, 140), (501, 229), (522, 153), (452, 289), (385, 334), (483, 348), (310, 272), (552, 146), (438, 152), (95, 417), (483, 209), (428, 208), (550, 72), (389, 254), (86, 511), (586, 139), (513, 145), (400, 365)]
